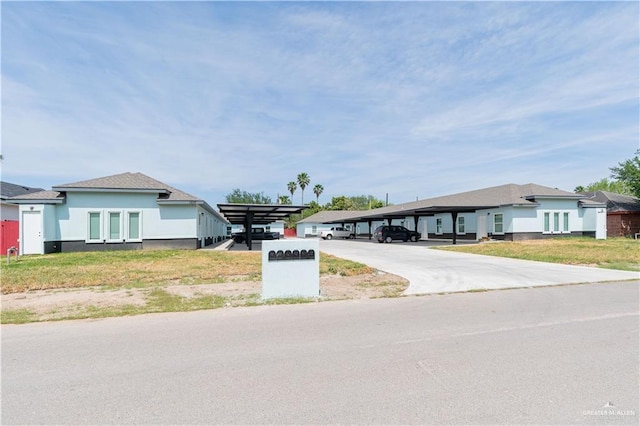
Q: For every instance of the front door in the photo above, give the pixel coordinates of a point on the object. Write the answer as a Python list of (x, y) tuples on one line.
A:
[(481, 231), (31, 233)]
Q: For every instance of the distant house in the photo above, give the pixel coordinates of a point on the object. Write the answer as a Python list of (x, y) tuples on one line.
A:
[(9, 214), (507, 212), (623, 213), (325, 220), (120, 212)]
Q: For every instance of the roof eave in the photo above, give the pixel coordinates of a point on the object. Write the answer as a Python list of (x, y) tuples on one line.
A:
[(36, 201), (119, 190)]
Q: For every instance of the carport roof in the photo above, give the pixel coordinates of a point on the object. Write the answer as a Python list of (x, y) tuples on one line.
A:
[(260, 214)]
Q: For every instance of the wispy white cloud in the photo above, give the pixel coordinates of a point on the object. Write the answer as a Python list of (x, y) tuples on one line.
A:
[(408, 98)]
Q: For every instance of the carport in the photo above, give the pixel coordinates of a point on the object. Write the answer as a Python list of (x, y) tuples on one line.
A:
[(257, 214), (401, 212)]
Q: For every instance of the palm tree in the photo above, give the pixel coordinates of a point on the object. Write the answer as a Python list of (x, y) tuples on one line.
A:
[(292, 188), (303, 181), (284, 199), (318, 190)]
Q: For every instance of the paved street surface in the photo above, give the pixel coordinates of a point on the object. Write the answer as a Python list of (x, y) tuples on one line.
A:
[(554, 355), (436, 271)]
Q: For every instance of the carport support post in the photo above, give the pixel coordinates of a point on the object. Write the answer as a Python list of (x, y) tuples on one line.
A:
[(415, 223), (369, 222), (249, 225), (454, 216)]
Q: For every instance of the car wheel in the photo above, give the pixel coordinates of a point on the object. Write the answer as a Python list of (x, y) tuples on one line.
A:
[(352, 237), (387, 240), (414, 238), (329, 237)]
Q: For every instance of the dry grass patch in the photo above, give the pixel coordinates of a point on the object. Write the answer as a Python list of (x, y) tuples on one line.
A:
[(97, 285), (127, 269), (614, 253)]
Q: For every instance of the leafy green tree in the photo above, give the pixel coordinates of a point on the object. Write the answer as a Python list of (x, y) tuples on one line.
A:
[(317, 189), (292, 186), (244, 197), (303, 181), (359, 202), (628, 172), (341, 203), (605, 185), (311, 209)]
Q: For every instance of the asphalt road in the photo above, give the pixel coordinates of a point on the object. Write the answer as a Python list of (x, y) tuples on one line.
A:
[(436, 271), (555, 355)]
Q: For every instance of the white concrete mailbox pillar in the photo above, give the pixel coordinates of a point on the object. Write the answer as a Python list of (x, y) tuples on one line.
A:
[(290, 268)]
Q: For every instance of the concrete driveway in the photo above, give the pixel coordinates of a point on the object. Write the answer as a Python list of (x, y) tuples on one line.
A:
[(436, 271)]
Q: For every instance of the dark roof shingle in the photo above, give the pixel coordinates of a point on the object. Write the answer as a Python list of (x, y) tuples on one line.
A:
[(8, 190)]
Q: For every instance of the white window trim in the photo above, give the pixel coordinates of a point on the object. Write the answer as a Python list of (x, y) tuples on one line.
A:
[(464, 226), (107, 225), (100, 215), (552, 214), (494, 224), (127, 222), (439, 226)]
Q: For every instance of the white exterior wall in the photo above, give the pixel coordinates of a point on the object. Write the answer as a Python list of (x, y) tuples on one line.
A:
[(533, 221), (595, 220), (311, 228), (156, 221), (210, 225), (9, 212), (276, 227)]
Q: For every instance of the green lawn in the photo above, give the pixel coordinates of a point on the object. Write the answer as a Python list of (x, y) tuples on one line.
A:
[(612, 253)]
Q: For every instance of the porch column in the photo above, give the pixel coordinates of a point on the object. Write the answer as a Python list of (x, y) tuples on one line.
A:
[(454, 216)]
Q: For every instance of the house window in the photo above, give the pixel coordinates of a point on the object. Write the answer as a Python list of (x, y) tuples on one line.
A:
[(556, 222), (114, 225), (461, 225), (95, 221), (439, 225), (134, 225), (565, 227), (314, 229), (498, 227), (547, 222)]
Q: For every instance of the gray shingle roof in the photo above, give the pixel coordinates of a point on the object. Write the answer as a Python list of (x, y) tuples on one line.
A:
[(124, 181), (615, 202), (332, 215), (8, 190), (40, 196), (503, 195), (128, 181)]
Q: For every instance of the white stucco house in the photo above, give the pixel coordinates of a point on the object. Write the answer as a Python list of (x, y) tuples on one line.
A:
[(120, 212), (507, 212)]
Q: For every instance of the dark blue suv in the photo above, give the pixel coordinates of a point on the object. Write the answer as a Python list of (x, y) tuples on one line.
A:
[(386, 234)]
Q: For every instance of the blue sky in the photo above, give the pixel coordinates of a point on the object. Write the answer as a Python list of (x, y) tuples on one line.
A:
[(413, 99)]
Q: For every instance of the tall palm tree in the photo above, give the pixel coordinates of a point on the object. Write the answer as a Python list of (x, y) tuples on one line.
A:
[(303, 181), (292, 188), (318, 190)]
